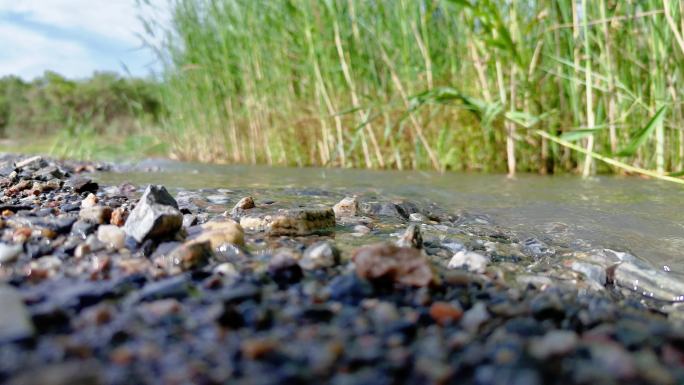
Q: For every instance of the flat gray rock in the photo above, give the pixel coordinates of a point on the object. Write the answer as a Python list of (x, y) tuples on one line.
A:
[(15, 322)]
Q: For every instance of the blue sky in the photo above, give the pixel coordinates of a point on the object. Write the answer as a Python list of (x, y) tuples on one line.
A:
[(75, 37)]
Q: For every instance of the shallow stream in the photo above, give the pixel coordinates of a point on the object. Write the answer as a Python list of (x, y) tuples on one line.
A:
[(642, 217)]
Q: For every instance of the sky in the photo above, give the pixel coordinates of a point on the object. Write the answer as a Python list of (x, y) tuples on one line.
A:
[(75, 37)]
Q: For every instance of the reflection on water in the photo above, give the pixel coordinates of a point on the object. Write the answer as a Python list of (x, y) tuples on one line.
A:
[(644, 217)]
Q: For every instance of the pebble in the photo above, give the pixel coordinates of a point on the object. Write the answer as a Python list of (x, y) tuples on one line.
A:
[(90, 201), (119, 216), (384, 262), (553, 343), (474, 317), (189, 255), (469, 260), (320, 255), (31, 162), (156, 215), (243, 204), (221, 233), (360, 230), (68, 372), (226, 269), (82, 184), (301, 222), (112, 236), (95, 214), (444, 312), (347, 207), (218, 199), (593, 273), (412, 237), (284, 269), (650, 282), (9, 253), (15, 323)]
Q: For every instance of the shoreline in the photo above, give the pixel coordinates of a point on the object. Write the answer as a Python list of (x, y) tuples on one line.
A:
[(206, 287)]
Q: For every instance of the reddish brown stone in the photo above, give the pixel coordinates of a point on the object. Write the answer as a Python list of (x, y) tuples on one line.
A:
[(21, 186), (403, 265), (21, 234), (257, 348), (444, 312), (119, 216)]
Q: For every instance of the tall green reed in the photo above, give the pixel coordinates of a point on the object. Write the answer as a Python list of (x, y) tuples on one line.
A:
[(441, 84)]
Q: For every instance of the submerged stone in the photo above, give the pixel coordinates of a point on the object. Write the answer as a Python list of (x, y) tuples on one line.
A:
[(155, 215), (243, 204), (648, 282), (592, 272), (347, 207), (302, 222), (291, 222)]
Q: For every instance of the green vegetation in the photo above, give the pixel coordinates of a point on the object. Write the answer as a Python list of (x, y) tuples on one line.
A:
[(443, 84), (96, 117), (488, 85)]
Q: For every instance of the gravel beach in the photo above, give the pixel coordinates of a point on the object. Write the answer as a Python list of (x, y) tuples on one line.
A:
[(143, 285)]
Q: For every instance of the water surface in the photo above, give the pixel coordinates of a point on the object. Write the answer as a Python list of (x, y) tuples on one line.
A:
[(643, 217)]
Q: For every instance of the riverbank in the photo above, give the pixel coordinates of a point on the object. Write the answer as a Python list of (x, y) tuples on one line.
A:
[(294, 285)]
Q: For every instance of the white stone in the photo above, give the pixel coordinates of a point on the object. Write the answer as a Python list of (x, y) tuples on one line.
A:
[(227, 269), (9, 253), (319, 255), (112, 236), (469, 260)]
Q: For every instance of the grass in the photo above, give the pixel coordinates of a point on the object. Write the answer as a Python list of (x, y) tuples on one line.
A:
[(86, 144), (417, 84)]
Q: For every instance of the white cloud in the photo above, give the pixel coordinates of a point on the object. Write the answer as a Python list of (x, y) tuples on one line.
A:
[(28, 54), (113, 19), (92, 35)]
